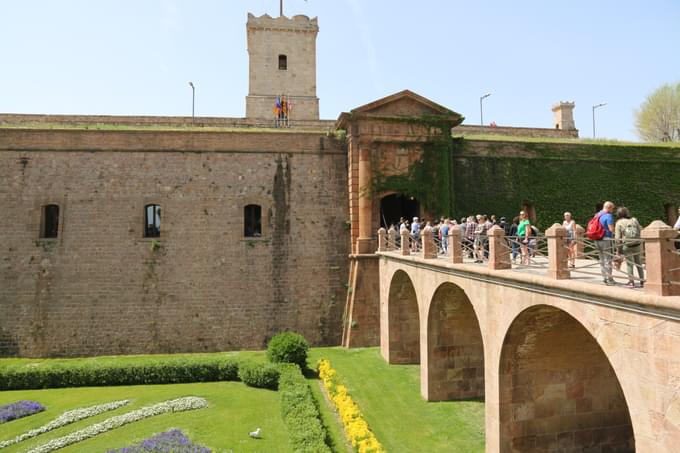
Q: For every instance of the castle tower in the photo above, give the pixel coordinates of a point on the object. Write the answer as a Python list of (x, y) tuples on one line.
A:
[(563, 114), (282, 54)]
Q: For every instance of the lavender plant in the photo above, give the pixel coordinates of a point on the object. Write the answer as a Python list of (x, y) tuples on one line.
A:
[(173, 440), (19, 409)]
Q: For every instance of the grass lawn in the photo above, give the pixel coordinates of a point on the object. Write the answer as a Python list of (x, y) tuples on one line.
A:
[(389, 397), (234, 410)]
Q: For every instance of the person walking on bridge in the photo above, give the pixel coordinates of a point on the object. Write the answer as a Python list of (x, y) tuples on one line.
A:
[(627, 235), (604, 243), (523, 234)]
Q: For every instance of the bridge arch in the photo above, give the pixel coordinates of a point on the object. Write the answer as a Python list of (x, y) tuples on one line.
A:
[(557, 388), (403, 320), (454, 368)]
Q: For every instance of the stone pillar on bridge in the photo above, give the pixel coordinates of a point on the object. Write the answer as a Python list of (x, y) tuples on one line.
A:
[(391, 238), (405, 245), (364, 241), (557, 252), (455, 246), (499, 250), (663, 261), (382, 240), (429, 246)]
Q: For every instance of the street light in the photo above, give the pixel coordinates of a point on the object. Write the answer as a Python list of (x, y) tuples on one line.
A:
[(481, 110), (193, 100), (601, 104)]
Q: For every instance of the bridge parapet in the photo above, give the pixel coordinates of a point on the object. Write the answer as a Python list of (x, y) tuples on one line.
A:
[(655, 255)]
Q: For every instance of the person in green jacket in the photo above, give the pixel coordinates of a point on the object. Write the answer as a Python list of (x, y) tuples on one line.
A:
[(523, 233)]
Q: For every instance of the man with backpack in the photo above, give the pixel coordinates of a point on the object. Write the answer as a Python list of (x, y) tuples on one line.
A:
[(601, 230), (627, 234)]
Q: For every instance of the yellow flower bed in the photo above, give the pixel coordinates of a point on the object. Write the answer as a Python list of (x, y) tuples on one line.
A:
[(356, 428)]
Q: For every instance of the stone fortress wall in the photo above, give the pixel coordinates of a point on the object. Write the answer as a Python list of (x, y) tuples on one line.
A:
[(102, 288)]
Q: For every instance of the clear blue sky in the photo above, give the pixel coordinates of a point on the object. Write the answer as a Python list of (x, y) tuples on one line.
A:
[(136, 57)]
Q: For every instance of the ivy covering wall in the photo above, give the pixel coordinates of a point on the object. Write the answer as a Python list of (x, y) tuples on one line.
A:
[(459, 177), (499, 178)]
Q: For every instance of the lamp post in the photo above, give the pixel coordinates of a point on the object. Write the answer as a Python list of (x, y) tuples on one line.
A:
[(601, 104), (481, 108), (193, 100)]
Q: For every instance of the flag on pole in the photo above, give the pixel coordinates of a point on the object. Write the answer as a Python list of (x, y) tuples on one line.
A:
[(277, 106)]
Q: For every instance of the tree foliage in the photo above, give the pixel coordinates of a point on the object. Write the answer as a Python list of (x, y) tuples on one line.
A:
[(658, 118)]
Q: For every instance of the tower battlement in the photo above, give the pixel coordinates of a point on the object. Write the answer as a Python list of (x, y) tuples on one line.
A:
[(563, 116), (298, 22)]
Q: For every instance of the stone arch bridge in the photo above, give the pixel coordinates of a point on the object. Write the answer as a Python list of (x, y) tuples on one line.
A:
[(562, 365)]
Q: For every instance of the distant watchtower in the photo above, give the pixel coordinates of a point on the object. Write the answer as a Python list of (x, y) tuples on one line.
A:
[(282, 54), (564, 116)]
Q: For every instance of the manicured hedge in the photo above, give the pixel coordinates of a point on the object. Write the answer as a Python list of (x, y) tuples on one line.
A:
[(264, 376), (288, 347), (300, 413), (148, 371)]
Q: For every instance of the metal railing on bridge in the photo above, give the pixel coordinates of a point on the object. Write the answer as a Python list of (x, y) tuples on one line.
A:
[(651, 262)]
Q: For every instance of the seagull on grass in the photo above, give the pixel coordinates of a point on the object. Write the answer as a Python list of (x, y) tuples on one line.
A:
[(255, 434)]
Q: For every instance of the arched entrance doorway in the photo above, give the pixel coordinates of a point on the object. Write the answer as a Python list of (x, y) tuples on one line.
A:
[(557, 389), (455, 350), (396, 205), (403, 321)]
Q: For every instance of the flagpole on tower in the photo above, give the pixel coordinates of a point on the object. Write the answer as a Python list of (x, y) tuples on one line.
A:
[(281, 8)]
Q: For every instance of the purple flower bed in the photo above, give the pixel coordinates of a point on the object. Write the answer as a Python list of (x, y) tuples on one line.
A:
[(19, 409), (173, 441)]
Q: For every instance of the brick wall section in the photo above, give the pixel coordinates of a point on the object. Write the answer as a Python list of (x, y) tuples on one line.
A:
[(101, 289)]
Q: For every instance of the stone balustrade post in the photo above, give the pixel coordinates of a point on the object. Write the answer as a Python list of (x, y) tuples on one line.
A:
[(579, 234), (557, 252), (662, 262), (429, 246), (499, 250), (382, 240), (455, 244), (391, 238), (405, 243)]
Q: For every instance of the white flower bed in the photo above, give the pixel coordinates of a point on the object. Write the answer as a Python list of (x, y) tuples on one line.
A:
[(66, 418), (178, 405)]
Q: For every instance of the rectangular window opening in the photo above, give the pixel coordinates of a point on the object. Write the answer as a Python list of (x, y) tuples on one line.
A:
[(252, 221), (50, 222), (152, 221)]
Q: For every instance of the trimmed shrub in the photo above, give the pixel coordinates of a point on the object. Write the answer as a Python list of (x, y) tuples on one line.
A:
[(146, 371), (300, 413), (264, 376), (288, 347)]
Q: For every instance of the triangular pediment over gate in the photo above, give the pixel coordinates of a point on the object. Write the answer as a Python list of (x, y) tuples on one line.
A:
[(405, 103)]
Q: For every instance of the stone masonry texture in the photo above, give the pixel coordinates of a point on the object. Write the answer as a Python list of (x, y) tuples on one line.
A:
[(102, 288)]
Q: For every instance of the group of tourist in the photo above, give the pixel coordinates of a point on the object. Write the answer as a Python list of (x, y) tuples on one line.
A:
[(615, 233)]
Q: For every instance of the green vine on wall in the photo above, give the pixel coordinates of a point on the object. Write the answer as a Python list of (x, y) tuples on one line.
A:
[(430, 178)]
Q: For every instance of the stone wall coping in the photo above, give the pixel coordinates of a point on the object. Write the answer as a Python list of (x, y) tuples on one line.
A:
[(142, 121), (74, 140), (518, 131), (664, 306)]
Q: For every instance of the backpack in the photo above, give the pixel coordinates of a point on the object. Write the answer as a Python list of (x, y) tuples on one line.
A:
[(631, 230), (595, 230)]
